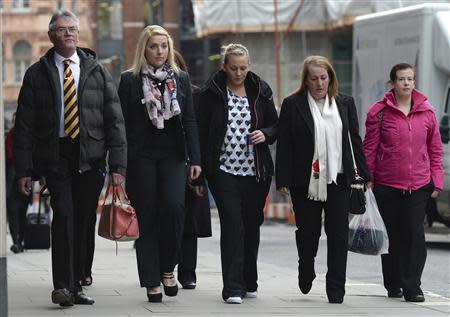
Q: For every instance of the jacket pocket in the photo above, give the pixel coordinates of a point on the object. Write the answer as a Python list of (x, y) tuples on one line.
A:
[(95, 145), (96, 134), (390, 135)]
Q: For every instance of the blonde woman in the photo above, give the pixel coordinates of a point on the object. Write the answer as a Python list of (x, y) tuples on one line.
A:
[(162, 135), (237, 122), (314, 165)]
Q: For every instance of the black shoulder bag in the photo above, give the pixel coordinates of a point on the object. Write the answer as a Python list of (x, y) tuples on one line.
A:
[(357, 188)]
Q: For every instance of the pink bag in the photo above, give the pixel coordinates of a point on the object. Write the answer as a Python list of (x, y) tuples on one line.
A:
[(118, 219)]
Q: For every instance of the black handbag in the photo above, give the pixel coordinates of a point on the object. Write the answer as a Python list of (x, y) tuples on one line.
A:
[(37, 227), (365, 240), (357, 188)]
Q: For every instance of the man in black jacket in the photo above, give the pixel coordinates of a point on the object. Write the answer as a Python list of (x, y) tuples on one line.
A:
[(68, 118)]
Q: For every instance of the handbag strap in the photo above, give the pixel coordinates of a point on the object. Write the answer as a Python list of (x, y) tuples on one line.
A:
[(353, 155)]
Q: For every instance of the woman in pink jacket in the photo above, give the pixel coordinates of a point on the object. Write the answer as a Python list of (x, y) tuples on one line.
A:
[(404, 153)]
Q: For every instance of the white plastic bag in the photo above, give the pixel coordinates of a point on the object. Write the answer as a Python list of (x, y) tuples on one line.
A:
[(367, 233)]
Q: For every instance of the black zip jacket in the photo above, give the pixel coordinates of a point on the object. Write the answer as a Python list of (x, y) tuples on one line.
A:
[(102, 130), (212, 116)]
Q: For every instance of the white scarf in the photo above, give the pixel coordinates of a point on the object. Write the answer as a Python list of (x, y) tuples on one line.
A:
[(327, 159), (159, 107)]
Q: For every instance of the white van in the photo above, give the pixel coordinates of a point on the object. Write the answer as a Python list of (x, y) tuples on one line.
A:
[(418, 35)]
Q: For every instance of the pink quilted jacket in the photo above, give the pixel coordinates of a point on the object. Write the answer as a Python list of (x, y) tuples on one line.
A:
[(402, 151)]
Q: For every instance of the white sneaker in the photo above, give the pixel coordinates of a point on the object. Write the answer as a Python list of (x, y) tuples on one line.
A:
[(234, 300), (251, 294)]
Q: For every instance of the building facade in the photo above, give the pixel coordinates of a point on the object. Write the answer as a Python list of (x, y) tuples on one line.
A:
[(24, 26)]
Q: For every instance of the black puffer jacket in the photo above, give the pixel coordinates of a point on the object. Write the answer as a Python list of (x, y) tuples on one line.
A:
[(37, 123), (213, 117)]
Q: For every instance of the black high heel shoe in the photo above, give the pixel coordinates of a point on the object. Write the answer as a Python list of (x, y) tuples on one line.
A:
[(153, 295), (170, 284)]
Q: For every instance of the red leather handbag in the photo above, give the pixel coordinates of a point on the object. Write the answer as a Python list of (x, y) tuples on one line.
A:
[(118, 221)]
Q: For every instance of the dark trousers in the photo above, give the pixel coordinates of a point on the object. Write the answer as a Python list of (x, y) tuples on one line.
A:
[(188, 261), (156, 188), (240, 202), (403, 214), (74, 198), (90, 245), (308, 217), (16, 205)]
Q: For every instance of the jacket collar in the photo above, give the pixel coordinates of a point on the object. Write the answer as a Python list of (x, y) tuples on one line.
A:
[(419, 101), (302, 105)]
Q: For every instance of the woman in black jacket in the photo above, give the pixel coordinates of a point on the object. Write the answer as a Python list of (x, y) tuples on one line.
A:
[(162, 135), (314, 164), (237, 121), (197, 220)]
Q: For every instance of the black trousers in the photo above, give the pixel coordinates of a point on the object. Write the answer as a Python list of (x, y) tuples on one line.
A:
[(308, 217), (188, 261), (74, 198), (156, 188), (240, 202), (403, 213), (16, 205), (90, 244)]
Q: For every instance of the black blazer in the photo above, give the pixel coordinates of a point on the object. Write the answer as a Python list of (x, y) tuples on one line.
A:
[(137, 121), (295, 148)]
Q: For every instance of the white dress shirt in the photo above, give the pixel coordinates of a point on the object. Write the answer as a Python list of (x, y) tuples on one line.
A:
[(75, 68)]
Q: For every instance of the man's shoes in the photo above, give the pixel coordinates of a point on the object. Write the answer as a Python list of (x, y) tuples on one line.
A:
[(419, 298), (63, 297), (189, 285), (395, 293), (16, 248), (82, 299), (170, 284), (234, 300)]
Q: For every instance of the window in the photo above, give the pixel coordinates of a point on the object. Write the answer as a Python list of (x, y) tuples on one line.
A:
[(21, 5), (3, 63), (154, 10), (59, 4), (22, 59), (109, 20), (342, 61)]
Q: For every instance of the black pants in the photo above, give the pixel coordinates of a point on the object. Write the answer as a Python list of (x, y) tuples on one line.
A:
[(74, 198), (156, 189), (403, 213), (90, 245), (240, 202), (16, 205), (188, 261), (308, 217)]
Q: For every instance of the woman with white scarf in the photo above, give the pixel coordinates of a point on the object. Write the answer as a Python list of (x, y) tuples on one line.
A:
[(162, 136), (314, 165)]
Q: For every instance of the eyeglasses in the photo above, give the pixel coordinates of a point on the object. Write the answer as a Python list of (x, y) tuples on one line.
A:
[(69, 30)]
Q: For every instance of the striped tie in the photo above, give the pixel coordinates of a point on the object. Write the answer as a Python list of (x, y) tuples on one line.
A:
[(71, 119)]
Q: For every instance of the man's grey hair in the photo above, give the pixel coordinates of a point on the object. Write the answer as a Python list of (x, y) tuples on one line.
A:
[(65, 14)]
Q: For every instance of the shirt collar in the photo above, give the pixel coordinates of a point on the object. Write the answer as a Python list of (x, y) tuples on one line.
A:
[(75, 59)]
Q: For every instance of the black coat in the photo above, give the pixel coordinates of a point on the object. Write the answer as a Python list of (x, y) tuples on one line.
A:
[(138, 123), (295, 146), (213, 118), (198, 215), (36, 145), (198, 211)]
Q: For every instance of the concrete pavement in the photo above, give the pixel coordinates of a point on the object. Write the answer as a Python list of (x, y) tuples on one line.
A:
[(117, 292)]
